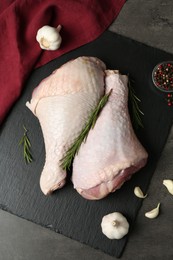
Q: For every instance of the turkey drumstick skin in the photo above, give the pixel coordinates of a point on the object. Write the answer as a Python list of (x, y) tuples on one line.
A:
[(62, 103), (112, 152)]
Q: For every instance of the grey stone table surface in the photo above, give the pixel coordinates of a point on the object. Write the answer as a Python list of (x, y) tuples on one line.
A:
[(150, 22)]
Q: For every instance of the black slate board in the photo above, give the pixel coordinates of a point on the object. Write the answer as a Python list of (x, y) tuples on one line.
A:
[(65, 211)]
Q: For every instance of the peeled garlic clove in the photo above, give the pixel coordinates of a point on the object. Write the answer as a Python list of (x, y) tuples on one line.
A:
[(138, 192), (169, 185), (153, 213)]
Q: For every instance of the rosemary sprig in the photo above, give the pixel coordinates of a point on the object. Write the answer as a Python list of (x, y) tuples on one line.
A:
[(136, 111), (26, 146), (68, 158)]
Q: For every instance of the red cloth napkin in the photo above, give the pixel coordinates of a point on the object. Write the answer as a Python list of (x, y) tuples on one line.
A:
[(82, 21)]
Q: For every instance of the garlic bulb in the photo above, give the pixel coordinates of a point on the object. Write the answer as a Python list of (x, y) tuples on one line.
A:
[(138, 192), (169, 185), (114, 225), (49, 37), (153, 213)]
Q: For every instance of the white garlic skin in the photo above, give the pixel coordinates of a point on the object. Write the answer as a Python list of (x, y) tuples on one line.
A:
[(169, 185), (114, 225), (153, 213), (138, 192), (49, 37)]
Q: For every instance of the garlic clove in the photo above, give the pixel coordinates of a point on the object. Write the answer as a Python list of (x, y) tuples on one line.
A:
[(153, 213), (169, 185), (114, 225), (138, 192)]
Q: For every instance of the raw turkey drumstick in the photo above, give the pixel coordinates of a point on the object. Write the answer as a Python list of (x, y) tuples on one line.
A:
[(63, 102), (112, 152)]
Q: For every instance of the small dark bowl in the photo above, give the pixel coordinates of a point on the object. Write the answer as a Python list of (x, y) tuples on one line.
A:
[(161, 88)]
